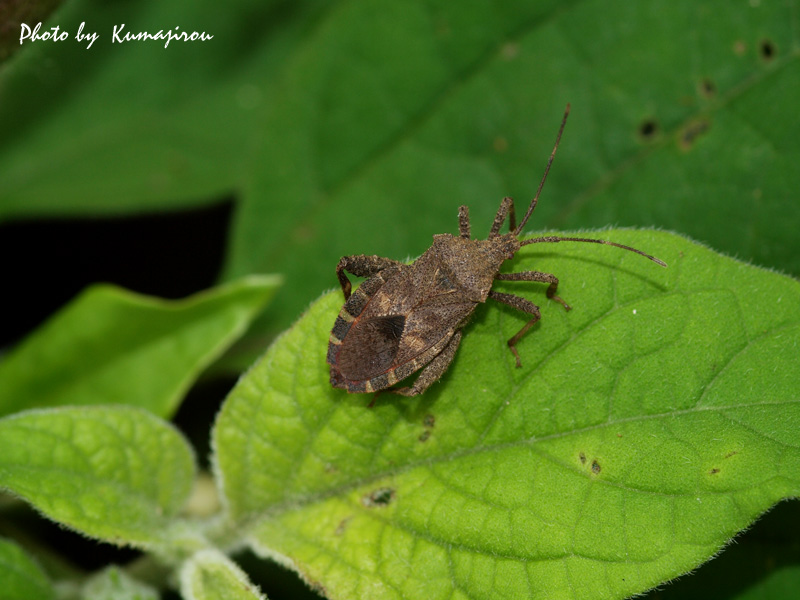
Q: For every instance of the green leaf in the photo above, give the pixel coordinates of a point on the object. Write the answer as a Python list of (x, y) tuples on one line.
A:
[(762, 564), (20, 577), (359, 127), (646, 427), (111, 346), (210, 575), (136, 126), (113, 584), (116, 473), (394, 114)]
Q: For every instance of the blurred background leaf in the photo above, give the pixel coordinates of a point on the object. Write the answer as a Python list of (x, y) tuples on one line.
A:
[(15, 12), (109, 346), (307, 130), (360, 127), (21, 577)]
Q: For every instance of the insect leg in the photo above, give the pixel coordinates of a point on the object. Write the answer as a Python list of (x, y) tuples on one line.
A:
[(434, 370), (463, 221), (506, 208), (540, 277), (523, 305), (360, 265)]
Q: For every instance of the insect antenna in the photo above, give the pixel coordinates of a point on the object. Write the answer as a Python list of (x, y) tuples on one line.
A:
[(555, 238), (544, 177)]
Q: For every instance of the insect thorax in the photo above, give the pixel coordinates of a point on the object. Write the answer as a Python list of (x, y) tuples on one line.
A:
[(471, 264)]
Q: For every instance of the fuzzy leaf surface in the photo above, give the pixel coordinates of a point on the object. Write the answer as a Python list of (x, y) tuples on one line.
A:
[(761, 564), (116, 473), (646, 427), (112, 346), (20, 577), (210, 575)]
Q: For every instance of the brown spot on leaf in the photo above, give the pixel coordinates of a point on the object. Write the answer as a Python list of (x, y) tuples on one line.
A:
[(510, 50), (691, 132), (731, 453), (342, 526), (739, 48), (423, 437), (429, 420), (707, 88), (713, 471), (302, 233), (443, 28), (378, 498), (582, 458), (500, 144), (595, 467)]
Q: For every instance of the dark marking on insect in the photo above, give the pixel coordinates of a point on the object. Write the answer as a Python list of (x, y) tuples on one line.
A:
[(595, 467), (406, 318), (380, 497)]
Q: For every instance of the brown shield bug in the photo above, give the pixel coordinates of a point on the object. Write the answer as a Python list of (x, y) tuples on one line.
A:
[(404, 318)]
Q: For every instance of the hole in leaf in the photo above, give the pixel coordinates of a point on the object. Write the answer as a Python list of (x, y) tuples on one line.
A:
[(380, 497), (648, 129), (767, 50)]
